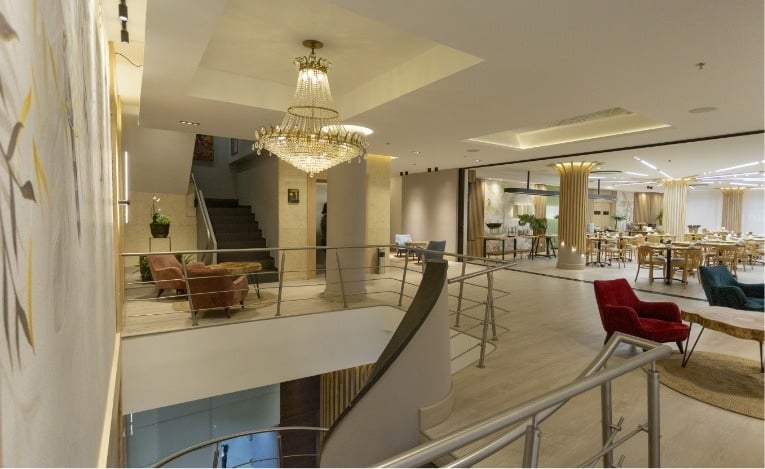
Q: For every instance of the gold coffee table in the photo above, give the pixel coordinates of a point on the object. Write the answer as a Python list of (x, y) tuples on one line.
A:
[(241, 268), (734, 322)]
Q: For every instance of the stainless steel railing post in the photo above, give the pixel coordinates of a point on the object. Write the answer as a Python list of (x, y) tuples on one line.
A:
[(281, 284), (280, 454), (403, 279), (490, 302), (486, 318), (459, 298), (654, 418), (340, 274), (531, 445), (216, 455), (188, 293), (606, 421)]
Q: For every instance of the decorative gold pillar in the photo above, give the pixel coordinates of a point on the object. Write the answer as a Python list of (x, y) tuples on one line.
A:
[(573, 212), (673, 206), (338, 388), (733, 198)]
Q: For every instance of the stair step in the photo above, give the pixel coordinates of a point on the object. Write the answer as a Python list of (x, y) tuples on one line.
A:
[(218, 211), (240, 244), (215, 203), (263, 257), (232, 218), (225, 236)]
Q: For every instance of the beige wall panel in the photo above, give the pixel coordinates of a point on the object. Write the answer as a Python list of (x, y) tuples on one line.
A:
[(430, 206), (378, 204), (293, 221)]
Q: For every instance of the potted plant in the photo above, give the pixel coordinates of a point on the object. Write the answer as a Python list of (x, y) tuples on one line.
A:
[(660, 218), (618, 219), (538, 225), (160, 223)]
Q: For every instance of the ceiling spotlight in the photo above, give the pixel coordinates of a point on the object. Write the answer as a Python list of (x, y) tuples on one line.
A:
[(124, 35), (123, 11), (188, 122)]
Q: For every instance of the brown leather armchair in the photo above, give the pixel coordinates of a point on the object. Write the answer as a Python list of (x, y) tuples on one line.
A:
[(214, 288), (167, 272)]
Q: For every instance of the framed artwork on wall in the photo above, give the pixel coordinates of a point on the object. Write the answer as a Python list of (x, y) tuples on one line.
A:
[(203, 148), (293, 196)]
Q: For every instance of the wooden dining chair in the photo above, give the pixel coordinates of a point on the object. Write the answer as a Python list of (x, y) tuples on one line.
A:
[(728, 256), (646, 258), (687, 262)]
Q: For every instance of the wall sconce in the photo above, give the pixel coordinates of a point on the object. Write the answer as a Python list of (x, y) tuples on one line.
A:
[(123, 11), (124, 35)]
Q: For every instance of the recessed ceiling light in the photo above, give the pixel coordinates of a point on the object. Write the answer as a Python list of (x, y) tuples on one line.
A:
[(188, 123), (477, 161), (701, 110), (416, 152)]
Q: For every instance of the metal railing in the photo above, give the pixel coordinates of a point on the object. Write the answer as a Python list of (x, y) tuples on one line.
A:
[(205, 233), (381, 287), (535, 411), (220, 441)]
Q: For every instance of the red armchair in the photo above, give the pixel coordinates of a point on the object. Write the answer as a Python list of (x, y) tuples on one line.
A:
[(215, 288), (622, 311), (167, 272)]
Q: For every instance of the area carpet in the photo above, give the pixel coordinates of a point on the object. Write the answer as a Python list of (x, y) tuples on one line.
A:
[(250, 301), (724, 381)]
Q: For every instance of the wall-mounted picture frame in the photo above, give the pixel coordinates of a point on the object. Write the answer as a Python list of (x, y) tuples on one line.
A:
[(293, 196)]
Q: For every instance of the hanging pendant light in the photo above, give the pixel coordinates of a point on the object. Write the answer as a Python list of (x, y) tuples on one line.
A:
[(311, 136)]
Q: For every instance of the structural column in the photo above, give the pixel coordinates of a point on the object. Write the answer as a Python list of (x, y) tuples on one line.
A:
[(733, 198), (573, 213), (673, 205), (346, 226)]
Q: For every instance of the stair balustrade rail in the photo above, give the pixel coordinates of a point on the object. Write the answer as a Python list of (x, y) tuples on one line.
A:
[(529, 415), (386, 287), (533, 412), (205, 233)]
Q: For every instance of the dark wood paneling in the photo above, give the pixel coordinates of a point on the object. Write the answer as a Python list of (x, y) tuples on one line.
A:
[(299, 406)]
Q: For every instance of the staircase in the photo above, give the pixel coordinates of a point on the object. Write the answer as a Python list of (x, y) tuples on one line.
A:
[(235, 227)]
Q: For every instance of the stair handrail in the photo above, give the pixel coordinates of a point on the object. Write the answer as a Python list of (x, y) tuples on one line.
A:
[(162, 462), (543, 406), (208, 241)]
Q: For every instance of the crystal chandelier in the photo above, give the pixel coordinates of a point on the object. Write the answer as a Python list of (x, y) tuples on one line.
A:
[(311, 137)]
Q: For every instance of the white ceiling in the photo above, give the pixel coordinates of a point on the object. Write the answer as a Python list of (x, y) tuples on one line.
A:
[(428, 75)]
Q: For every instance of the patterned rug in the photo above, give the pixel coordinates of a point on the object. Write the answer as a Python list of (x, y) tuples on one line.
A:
[(724, 381)]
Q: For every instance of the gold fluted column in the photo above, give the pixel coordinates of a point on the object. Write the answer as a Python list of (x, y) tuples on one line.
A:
[(573, 213), (673, 205), (733, 198), (338, 388)]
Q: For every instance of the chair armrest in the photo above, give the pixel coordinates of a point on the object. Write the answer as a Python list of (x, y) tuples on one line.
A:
[(664, 310), (732, 297), (168, 273), (752, 290), (619, 318), (195, 265)]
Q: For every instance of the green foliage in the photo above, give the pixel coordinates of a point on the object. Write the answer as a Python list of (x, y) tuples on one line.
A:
[(143, 265), (618, 217), (538, 225), (660, 217), (160, 218)]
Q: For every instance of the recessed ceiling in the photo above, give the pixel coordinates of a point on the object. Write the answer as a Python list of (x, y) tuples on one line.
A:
[(430, 78)]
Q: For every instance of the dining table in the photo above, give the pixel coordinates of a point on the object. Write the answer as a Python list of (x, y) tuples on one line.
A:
[(668, 248)]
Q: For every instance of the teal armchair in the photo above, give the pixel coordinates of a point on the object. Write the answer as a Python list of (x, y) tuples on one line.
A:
[(722, 289)]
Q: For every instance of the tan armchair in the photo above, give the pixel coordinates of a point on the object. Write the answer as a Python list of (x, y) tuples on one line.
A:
[(215, 288), (167, 272)]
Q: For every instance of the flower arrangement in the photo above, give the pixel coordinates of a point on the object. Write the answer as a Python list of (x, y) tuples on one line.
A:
[(156, 212)]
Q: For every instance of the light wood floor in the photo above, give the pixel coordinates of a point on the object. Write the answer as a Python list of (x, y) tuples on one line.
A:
[(551, 332)]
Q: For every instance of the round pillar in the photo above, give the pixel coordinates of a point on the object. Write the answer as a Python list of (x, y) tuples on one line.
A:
[(346, 226), (573, 213), (732, 208), (673, 205)]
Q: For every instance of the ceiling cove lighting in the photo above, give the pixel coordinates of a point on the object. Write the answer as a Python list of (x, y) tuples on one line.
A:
[(648, 164), (737, 167), (636, 174), (665, 174), (311, 136)]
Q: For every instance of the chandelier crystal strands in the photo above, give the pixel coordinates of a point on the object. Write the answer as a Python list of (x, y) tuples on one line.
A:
[(311, 137)]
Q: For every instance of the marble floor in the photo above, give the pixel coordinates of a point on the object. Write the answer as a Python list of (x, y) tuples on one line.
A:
[(549, 330)]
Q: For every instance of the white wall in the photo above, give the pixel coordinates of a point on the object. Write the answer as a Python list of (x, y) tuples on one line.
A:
[(753, 217), (704, 208), (160, 160), (165, 369), (430, 206), (57, 236)]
